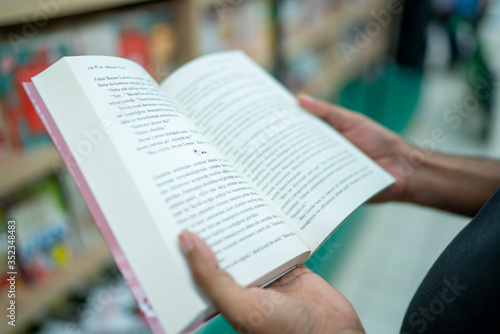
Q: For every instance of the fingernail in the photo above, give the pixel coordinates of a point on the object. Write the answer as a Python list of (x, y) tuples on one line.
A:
[(186, 242), (307, 98)]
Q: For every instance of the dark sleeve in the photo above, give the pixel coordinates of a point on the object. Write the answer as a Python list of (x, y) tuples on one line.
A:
[(461, 292)]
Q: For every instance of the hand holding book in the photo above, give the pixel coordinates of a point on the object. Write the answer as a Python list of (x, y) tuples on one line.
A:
[(385, 147), (302, 302), (298, 302)]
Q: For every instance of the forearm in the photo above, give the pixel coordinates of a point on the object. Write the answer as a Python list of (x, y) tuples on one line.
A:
[(451, 183)]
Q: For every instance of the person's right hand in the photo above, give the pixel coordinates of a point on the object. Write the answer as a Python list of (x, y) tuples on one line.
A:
[(298, 302), (382, 145)]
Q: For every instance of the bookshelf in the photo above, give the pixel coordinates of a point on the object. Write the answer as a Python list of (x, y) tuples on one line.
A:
[(19, 169), (316, 47), (340, 72), (32, 302), (331, 27), (22, 11)]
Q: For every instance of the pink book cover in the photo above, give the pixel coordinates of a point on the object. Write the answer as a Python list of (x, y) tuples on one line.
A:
[(75, 172), (94, 208)]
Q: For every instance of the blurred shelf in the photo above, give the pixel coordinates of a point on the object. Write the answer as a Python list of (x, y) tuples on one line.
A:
[(313, 37), (20, 11), (19, 169), (202, 4), (329, 29), (340, 72), (33, 302), (220, 3)]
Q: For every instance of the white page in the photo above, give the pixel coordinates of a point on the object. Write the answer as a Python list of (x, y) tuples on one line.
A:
[(311, 174), (154, 174)]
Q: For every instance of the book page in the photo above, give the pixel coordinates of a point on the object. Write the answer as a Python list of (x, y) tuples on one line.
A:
[(154, 174), (312, 176)]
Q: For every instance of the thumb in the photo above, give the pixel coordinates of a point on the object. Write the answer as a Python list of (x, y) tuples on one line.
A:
[(215, 283), (338, 117)]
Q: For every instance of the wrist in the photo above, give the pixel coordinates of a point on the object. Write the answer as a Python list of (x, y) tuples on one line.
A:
[(416, 173), (436, 182)]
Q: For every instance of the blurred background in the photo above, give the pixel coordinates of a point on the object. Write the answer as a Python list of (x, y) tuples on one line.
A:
[(414, 66)]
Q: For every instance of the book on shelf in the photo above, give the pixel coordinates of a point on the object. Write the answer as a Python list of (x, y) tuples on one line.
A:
[(146, 33), (219, 148), (44, 234)]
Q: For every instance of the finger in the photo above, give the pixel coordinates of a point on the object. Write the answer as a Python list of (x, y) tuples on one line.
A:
[(289, 283), (291, 276), (338, 117), (215, 283)]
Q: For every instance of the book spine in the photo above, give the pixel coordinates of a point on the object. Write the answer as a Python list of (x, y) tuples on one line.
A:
[(94, 208)]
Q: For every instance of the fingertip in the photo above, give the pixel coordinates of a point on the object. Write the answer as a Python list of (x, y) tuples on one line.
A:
[(306, 100), (311, 104), (186, 242), (216, 284), (193, 247), (304, 97)]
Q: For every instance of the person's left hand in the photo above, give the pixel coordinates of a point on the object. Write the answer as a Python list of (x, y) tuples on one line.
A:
[(299, 302)]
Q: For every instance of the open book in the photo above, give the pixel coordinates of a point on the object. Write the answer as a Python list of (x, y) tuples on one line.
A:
[(220, 148)]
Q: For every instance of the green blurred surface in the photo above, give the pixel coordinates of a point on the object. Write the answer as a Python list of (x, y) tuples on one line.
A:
[(389, 97)]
